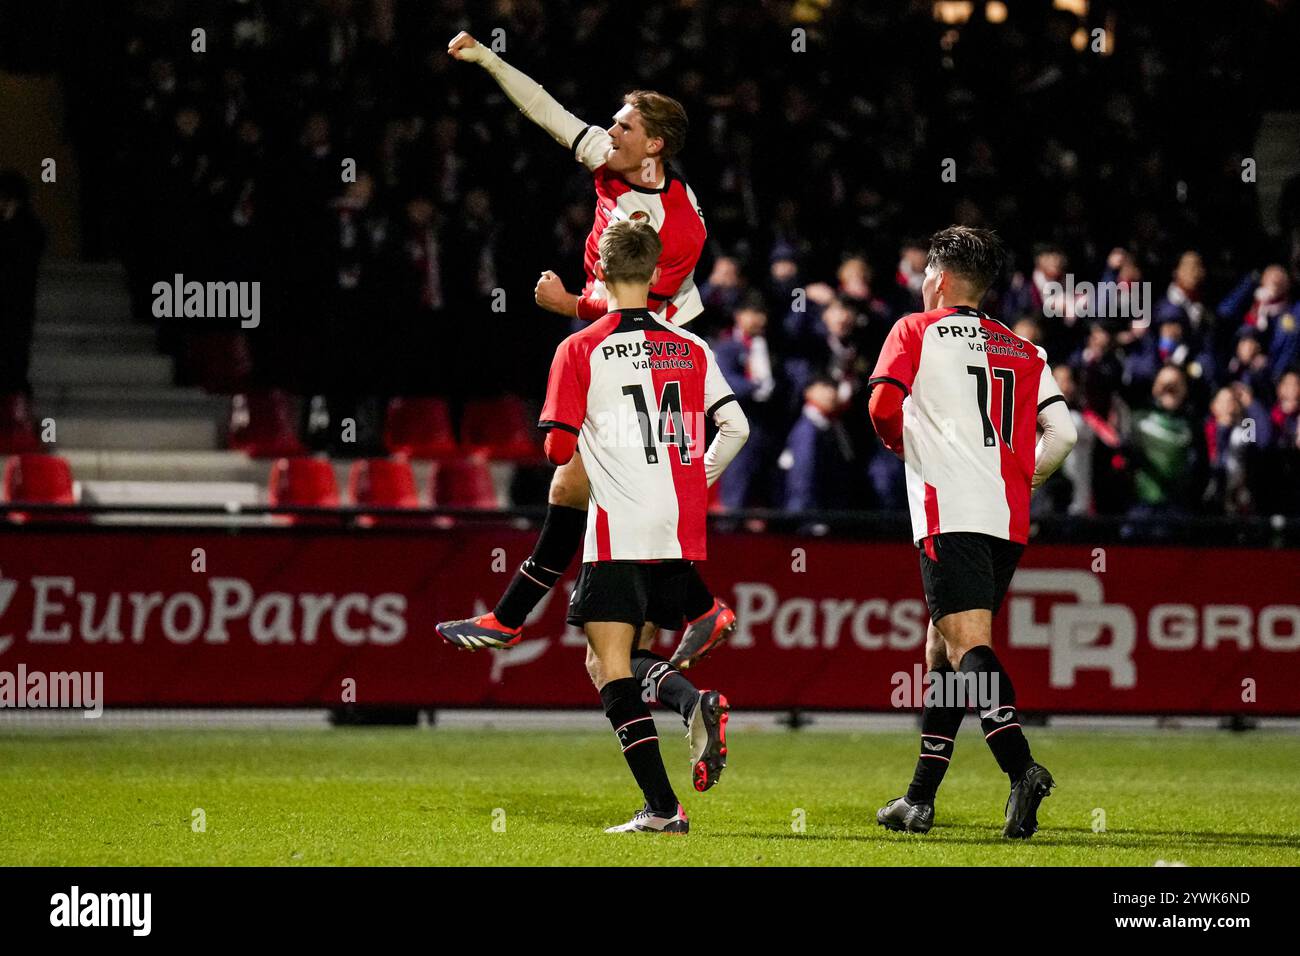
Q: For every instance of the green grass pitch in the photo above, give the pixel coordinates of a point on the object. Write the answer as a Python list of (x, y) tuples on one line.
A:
[(497, 797)]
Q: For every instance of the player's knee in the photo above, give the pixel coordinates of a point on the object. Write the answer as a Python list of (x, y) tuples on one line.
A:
[(568, 492)]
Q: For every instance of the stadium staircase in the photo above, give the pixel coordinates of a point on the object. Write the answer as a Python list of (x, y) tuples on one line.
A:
[(130, 434)]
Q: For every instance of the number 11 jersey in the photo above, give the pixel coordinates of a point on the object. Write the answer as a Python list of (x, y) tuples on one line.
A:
[(637, 392), (974, 389)]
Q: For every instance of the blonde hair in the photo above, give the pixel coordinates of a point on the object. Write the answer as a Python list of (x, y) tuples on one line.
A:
[(663, 117)]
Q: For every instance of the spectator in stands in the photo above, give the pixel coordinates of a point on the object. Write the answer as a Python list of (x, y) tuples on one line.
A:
[(909, 276), (782, 279), (723, 290), (1099, 370), (1262, 301), (1030, 295), (1166, 451), (22, 244), (746, 362), (1232, 437), (819, 463), (1182, 301), (1286, 413), (1069, 490), (1169, 345), (1042, 296), (1250, 365)]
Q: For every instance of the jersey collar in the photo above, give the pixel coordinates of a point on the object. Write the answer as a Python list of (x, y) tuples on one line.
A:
[(977, 314), (634, 320), (653, 190)]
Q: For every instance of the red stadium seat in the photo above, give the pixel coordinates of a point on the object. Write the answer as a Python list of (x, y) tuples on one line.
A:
[(501, 429), (466, 483), (39, 480), (303, 483), (17, 429), (261, 425), (420, 427), (383, 483)]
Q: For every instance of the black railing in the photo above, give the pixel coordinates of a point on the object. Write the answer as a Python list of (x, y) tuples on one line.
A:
[(1276, 531)]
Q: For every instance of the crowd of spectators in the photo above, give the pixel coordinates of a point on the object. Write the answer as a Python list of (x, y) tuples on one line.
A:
[(819, 159)]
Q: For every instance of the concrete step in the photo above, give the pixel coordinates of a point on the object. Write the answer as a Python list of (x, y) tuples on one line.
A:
[(137, 434), (80, 302), (52, 369), (171, 492), (131, 402), (80, 337), (90, 464)]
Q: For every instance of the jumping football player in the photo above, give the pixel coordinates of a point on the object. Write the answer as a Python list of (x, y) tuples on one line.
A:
[(627, 162), (959, 397), (649, 488)]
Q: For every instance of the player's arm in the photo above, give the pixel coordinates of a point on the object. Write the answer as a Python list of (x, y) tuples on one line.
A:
[(1059, 433), (551, 295), (724, 408), (565, 408), (886, 410), (891, 382), (587, 143)]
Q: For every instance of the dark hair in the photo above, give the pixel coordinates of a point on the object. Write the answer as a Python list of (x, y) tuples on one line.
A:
[(973, 254)]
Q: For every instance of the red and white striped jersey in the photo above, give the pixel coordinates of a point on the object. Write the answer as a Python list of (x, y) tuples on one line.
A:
[(637, 392), (671, 209), (974, 389)]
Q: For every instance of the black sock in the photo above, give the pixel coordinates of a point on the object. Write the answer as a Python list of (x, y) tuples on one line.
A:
[(997, 709), (629, 715), (697, 599), (663, 683), (940, 720), (561, 537)]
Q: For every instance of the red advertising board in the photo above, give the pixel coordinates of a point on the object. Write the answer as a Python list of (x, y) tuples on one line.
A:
[(273, 618)]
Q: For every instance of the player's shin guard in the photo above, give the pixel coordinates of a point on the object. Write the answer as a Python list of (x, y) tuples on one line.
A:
[(697, 599), (665, 683), (635, 728), (997, 709), (940, 720), (561, 537)]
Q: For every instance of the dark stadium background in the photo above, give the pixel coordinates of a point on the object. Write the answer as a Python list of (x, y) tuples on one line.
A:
[(1152, 143)]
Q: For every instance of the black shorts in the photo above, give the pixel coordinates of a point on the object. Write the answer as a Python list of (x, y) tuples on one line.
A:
[(631, 592), (968, 571)]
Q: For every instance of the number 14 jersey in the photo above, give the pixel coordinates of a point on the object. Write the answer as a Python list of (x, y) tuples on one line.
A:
[(974, 389), (637, 392)]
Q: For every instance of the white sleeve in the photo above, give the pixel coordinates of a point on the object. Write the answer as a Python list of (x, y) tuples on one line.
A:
[(725, 410), (1059, 436), (588, 144), (733, 432)]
